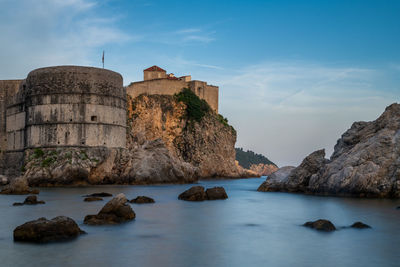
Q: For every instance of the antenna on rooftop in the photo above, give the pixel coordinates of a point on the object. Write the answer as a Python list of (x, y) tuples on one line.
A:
[(102, 59)]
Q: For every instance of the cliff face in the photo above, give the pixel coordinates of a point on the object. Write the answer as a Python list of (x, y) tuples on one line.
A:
[(263, 169), (365, 163), (207, 144), (163, 146)]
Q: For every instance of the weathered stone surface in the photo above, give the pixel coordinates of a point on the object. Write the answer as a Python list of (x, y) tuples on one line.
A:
[(276, 180), (3, 180), (114, 212), (18, 186), (321, 225), (30, 200), (365, 162), (360, 225), (43, 230), (195, 193), (263, 169), (216, 193), (91, 199), (102, 194), (142, 200)]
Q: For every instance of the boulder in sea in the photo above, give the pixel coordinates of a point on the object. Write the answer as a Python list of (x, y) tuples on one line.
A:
[(142, 200), (102, 194), (216, 193), (42, 230), (360, 225), (18, 186), (114, 212), (321, 225), (91, 199), (195, 193), (30, 200), (275, 180)]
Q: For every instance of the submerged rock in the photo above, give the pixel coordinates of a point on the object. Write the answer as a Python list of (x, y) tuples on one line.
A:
[(18, 186), (102, 194), (30, 200), (114, 212), (321, 225), (195, 193), (43, 230), (216, 193), (360, 225), (364, 163), (142, 200), (91, 199)]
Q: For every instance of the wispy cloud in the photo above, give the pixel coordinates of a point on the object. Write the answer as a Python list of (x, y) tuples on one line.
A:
[(187, 36), (53, 32)]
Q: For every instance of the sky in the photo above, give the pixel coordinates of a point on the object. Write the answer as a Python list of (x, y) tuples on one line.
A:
[(293, 75)]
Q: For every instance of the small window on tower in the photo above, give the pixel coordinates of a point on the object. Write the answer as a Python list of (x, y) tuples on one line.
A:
[(93, 118)]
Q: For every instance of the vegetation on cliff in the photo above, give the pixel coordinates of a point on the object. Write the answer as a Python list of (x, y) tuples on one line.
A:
[(248, 158), (196, 108)]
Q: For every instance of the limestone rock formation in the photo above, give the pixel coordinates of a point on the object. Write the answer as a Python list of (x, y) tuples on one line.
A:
[(216, 193), (42, 230), (321, 225), (18, 186), (276, 180), (115, 211), (195, 193), (142, 200), (30, 200), (365, 162), (263, 169)]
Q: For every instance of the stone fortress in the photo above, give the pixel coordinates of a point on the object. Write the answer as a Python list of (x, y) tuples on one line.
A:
[(156, 81), (73, 106)]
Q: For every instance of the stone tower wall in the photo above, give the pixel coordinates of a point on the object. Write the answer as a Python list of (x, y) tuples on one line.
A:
[(75, 106)]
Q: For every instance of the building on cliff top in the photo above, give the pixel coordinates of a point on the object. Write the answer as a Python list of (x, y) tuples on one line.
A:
[(156, 81)]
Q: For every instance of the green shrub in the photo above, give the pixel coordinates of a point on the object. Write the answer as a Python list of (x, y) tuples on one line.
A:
[(196, 108), (48, 161), (38, 153)]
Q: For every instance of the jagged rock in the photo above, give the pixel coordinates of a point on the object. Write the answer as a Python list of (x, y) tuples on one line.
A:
[(360, 225), (3, 180), (102, 194), (321, 225), (365, 162), (276, 180), (195, 193), (18, 186), (216, 193), (43, 230), (91, 199), (30, 200), (142, 200), (114, 212)]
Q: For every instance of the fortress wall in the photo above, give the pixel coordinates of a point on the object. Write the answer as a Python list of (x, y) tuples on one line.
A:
[(8, 89), (156, 87), (207, 92), (75, 106)]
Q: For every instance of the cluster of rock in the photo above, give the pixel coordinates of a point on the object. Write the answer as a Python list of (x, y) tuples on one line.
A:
[(365, 163), (197, 193), (328, 226)]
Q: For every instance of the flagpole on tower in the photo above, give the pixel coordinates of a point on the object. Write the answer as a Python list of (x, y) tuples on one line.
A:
[(102, 59)]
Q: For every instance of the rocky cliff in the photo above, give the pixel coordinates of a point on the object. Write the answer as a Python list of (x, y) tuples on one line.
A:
[(164, 145), (365, 163)]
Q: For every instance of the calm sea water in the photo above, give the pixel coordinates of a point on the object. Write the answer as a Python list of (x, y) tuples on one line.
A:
[(249, 229)]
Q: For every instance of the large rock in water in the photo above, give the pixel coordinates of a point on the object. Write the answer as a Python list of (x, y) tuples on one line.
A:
[(277, 180), (216, 193), (43, 230), (115, 211), (195, 193), (365, 162), (321, 225)]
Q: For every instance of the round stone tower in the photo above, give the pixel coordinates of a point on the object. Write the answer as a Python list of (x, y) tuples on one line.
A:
[(76, 107)]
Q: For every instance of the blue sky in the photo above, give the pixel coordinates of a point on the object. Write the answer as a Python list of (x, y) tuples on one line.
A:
[(293, 75)]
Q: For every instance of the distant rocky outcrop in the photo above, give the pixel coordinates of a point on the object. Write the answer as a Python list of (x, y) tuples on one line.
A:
[(263, 169), (365, 163), (42, 230), (114, 212), (256, 163), (18, 186)]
